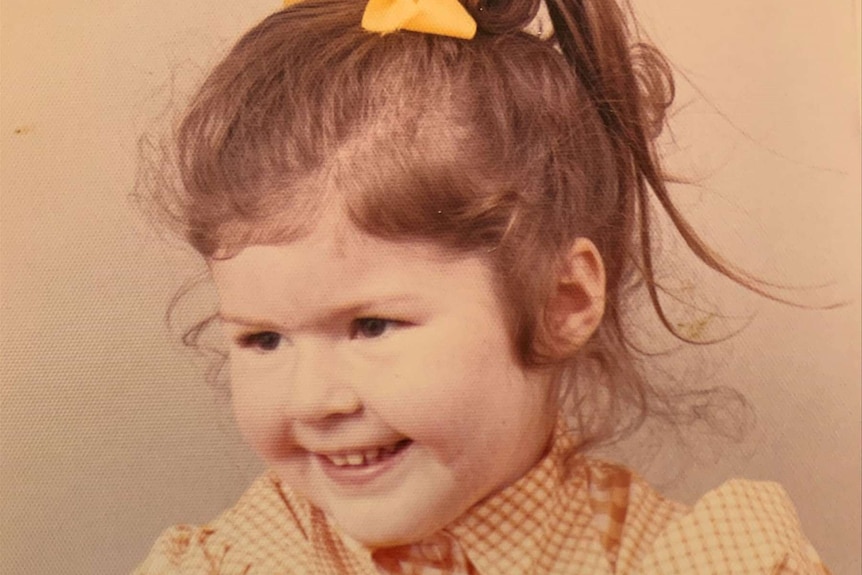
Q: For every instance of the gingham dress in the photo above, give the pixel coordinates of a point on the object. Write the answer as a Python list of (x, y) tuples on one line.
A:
[(566, 516)]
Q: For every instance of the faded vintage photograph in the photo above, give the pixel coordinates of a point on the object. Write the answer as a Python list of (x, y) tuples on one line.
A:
[(449, 287)]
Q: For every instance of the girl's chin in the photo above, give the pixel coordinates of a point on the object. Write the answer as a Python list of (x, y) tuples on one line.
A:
[(383, 524)]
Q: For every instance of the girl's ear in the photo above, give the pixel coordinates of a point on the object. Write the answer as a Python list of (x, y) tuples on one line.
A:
[(577, 298)]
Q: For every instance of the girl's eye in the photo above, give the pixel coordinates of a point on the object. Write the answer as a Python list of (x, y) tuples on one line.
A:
[(370, 327), (261, 341)]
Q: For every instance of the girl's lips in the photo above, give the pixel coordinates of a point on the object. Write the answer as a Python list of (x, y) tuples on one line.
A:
[(361, 467)]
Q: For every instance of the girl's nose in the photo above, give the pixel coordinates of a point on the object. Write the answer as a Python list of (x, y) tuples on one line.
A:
[(319, 387)]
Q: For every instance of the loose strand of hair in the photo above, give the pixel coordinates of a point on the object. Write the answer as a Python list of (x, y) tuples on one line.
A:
[(579, 25)]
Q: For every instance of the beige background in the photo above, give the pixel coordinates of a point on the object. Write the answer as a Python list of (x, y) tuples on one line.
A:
[(107, 433)]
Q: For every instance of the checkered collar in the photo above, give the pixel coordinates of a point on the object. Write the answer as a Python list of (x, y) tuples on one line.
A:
[(508, 532)]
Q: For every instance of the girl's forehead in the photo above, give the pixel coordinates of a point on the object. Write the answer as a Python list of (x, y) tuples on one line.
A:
[(338, 265)]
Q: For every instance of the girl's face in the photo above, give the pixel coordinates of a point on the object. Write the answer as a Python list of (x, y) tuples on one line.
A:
[(378, 379)]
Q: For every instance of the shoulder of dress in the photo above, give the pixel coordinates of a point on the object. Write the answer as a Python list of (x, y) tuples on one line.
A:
[(613, 482), (740, 527), (628, 514), (264, 527)]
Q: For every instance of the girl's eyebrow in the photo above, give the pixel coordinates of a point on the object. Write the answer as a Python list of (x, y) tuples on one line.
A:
[(371, 306), (378, 302), (248, 322)]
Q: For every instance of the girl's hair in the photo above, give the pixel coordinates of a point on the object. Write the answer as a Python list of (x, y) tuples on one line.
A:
[(505, 145)]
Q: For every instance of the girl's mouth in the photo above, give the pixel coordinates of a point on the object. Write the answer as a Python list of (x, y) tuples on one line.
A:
[(366, 457), (361, 467)]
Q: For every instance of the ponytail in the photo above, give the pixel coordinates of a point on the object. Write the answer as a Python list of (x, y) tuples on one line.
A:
[(631, 86)]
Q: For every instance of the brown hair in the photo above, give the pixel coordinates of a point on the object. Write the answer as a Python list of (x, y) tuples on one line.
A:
[(506, 145)]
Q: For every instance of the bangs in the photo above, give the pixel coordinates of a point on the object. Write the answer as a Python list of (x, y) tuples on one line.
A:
[(403, 183), (447, 202)]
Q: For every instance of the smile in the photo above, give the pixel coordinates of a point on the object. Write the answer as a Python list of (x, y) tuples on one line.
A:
[(365, 457)]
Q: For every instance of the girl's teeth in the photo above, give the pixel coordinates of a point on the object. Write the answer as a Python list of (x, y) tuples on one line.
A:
[(363, 458), (338, 460)]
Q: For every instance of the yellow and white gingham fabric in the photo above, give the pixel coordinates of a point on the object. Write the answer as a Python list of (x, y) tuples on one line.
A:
[(567, 516)]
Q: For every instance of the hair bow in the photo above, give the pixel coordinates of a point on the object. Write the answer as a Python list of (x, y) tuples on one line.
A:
[(441, 17)]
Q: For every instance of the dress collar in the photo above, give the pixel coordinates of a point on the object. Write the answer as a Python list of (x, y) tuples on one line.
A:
[(506, 533)]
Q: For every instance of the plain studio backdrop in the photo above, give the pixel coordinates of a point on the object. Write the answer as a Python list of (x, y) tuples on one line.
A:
[(109, 432)]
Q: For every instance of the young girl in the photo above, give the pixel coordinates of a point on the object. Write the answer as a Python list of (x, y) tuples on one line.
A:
[(422, 217)]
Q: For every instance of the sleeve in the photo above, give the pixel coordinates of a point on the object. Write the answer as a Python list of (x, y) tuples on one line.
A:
[(182, 550), (741, 527)]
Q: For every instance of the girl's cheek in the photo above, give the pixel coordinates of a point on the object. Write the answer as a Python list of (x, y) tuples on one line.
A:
[(255, 410), (261, 429)]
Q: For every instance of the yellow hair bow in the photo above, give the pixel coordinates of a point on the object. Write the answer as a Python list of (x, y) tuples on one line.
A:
[(441, 17)]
